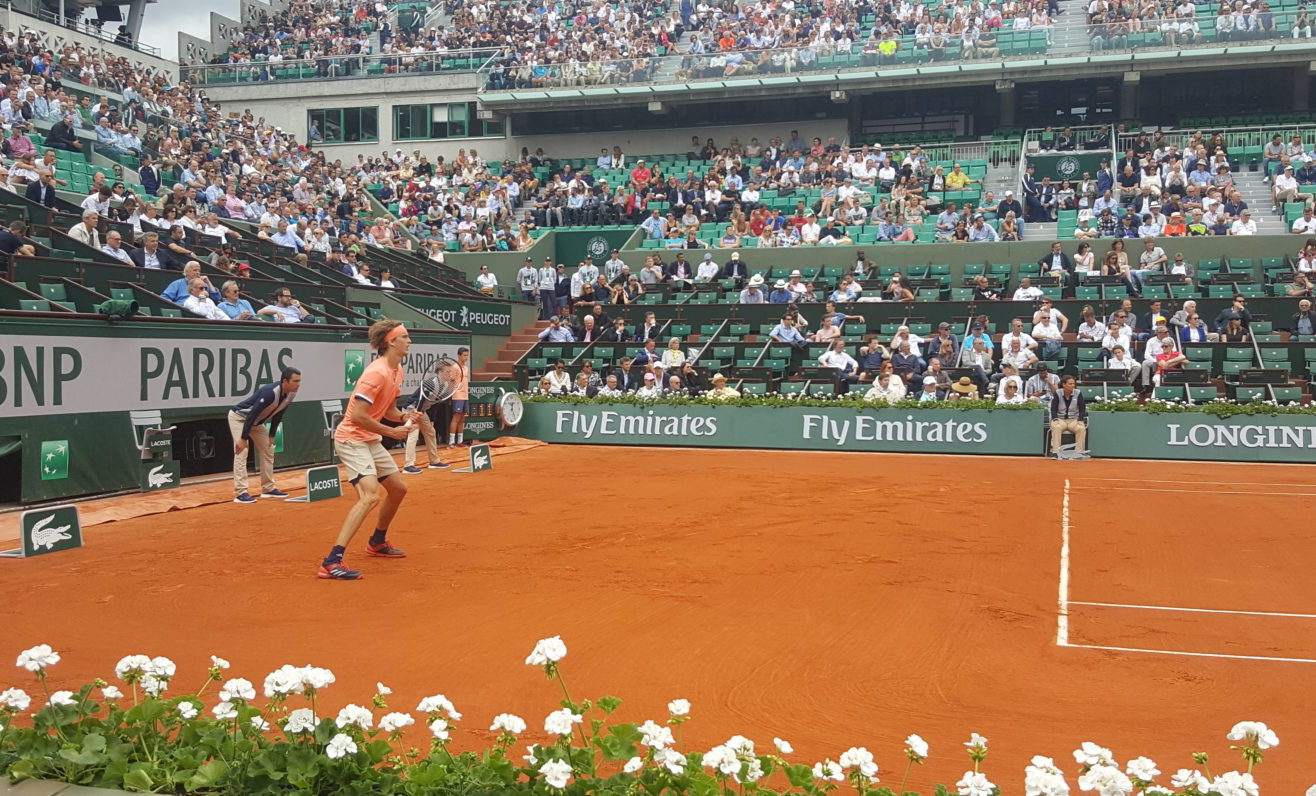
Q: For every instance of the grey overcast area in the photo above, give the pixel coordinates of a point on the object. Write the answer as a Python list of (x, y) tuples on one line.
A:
[(166, 18)]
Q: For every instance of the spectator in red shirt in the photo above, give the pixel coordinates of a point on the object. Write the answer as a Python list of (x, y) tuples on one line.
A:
[(641, 175)]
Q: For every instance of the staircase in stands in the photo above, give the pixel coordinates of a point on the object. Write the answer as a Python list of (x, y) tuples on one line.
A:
[(499, 366)]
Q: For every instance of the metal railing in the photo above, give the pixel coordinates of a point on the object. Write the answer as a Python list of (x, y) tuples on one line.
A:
[(83, 26), (337, 67), (1235, 137), (1065, 39)]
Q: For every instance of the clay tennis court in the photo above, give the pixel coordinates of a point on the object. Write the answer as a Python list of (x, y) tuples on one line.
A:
[(829, 599)]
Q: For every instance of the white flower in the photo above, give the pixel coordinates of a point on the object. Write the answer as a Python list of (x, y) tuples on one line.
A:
[(382, 689), (1252, 732), (131, 666), (723, 758), (300, 720), (340, 746), (740, 745), (976, 740), (556, 773), (1106, 780), (317, 678), (154, 684), (679, 707), (225, 711), (917, 745), (161, 667), (1044, 781), (439, 729), (438, 704), (217, 662), (392, 722), (258, 724), (1311, 791), (237, 688), (1233, 783), (111, 692), (1142, 768), (354, 714), (1189, 778), (506, 722), (1045, 763), (671, 760), (37, 658), (783, 746), (859, 757), (547, 650), (1089, 754), (15, 699), (655, 735), (975, 784), (560, 722), (187, 710), (63, 698), (283, 681), (529, 756), (633, 765), (828, 770)]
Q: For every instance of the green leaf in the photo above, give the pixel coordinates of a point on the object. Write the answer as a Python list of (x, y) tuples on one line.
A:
[(137, 778), (91, 753), (208, 776), (618, 743), (703, 784), (801, 776), (608, 703), (940, 790)]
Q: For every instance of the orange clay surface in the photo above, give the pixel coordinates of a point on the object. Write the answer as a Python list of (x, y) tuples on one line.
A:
[(828, 599)]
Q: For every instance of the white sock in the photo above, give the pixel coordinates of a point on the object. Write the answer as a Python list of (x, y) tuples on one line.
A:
[(452, 439), (461, 437)]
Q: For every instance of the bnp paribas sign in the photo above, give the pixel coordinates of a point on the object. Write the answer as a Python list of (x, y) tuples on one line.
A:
[(790, 428), (1203, 437)]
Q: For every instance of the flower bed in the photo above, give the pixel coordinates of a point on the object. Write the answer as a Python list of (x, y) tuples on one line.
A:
[(146, 740)]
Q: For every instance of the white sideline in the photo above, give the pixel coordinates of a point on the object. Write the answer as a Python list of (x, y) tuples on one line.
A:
[(1218, 483), (1268, 493), (1192, 654), (1194, 610), (1062, 616)]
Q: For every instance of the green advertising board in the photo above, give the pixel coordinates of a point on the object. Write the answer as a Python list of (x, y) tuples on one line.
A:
[(1066, 165), (468, 315), (571, 246), (322, 483), (157, 475), (842, 428), (1196, 436), (48, 530)]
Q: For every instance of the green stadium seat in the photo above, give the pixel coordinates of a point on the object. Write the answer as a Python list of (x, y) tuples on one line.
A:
[(1201, 395), (791, 387), (1248, 394), (34, 305), (753, 388), (1169, 393), (170, 312)]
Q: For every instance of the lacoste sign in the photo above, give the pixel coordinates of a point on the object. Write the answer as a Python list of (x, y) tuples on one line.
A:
[(322, 483), (157, 475), (49, 530)]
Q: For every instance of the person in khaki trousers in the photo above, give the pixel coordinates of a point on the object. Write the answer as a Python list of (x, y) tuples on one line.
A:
[(247, 422), (1069, 412), (424, 427)]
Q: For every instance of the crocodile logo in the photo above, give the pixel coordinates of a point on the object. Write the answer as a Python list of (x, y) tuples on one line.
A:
[(157, 478), (480, 460), (42, 536)]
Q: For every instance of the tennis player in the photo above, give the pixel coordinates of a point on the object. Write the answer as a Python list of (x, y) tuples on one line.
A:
[(247, 422), (357, 441), (460, 398)]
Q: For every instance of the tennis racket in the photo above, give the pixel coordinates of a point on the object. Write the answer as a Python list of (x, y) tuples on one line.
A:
[(435, 387)]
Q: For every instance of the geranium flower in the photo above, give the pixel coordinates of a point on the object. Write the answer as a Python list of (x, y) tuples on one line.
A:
[(679, 707), (1234, 783), (976, 740), (633, 765), (438, 704), (783, 746), (217, 662), (130, 668), (354, 715), (259, 724), (671, 760), (283, 681), (1142, 768), (917, 746), (439, 729), (974, 783), (225, 711), (382, 689), (1189, 779), (340, 746), (1089, 754), (154, 684), (392, 722), (111, 692), (64, 698), (546, 651), (858, 757), (1255, 733), (561, 722), (828, 770), (1044, 781), (237, 688), (300, 720), (656, 736), (161, 667), (317, 678), (722, 758), (556, 773), (506, 722), (187, 710), (38, 658), (15, 699), (1106, 780)]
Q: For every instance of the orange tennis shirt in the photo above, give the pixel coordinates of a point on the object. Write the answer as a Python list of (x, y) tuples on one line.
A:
[(379, 387), (463, 391)]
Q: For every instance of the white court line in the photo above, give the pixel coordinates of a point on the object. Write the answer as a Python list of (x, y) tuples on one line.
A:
[(1162, 481), (1194, 610), (1191, 654), (1062, 617), (1205, 491)]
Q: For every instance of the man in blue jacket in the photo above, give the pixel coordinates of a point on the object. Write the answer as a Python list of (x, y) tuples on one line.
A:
[(247, 423)]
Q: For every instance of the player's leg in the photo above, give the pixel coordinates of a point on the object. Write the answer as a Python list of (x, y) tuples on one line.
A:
[(394, 490), (361, 473), (240, 494)]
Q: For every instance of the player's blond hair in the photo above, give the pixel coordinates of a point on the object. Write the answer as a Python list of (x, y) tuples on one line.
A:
[(379, 334)]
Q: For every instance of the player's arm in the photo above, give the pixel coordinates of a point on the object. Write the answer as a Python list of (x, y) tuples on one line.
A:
[(362, 419)]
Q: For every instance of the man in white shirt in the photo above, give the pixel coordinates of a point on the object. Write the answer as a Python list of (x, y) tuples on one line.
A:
[(708, 270), (98, 200), (613, 265), (1152, 349), (488, 282), (1017, 332), (809, 230), (1286, 189), (1027, 291), (1049, 337), (1244, 225), (114, 247), (1305, 225), (199, 303), (215, 229)]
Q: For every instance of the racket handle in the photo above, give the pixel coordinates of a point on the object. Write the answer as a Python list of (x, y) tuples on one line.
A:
[(408, 424)]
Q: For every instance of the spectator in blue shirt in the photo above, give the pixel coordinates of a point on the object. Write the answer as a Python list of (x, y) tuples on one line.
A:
[(786, 332), (557, 332), (238, 309), (178, 291), (655, 227), (780, 293)]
